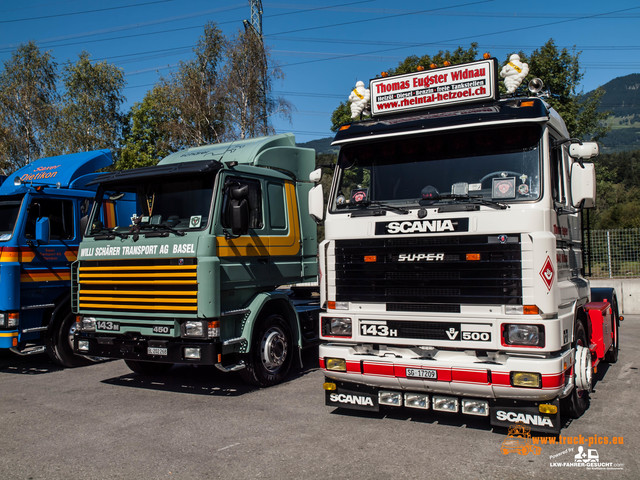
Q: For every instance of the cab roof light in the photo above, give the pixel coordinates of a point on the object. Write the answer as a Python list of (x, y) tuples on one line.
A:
[(370, 258), (344, 127), (527, 103), (486, 55), (473, 257)]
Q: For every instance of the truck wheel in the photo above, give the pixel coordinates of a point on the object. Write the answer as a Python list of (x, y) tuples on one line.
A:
[(577, 402), (271, 353), (60, 345), (148, 368), (612, 354)]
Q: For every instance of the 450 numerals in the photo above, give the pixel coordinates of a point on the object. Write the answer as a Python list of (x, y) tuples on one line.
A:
[(376, 330)]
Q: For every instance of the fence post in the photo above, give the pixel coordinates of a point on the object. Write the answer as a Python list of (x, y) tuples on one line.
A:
[(609, 253)]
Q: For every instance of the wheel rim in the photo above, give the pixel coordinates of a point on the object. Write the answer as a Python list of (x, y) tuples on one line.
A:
[(72, 331), (584, 369), (274, 349)]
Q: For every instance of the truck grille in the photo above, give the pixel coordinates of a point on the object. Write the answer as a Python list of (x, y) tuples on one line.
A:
[(155, 286), (435, 274)]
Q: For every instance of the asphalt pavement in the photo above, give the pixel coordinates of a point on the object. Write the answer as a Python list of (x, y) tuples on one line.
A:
[(105, 422)]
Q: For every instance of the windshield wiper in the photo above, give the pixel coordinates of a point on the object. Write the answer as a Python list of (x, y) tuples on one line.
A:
[(464, 199), (165, 227), (384, 207), (111, 233)]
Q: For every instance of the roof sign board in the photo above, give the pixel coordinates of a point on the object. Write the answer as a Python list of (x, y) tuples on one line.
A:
[(467, 83)]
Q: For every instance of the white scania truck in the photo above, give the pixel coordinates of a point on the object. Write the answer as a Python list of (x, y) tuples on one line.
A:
[(452, 269)]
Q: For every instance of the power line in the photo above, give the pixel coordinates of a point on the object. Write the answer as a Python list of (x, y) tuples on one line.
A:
[(45, 17)]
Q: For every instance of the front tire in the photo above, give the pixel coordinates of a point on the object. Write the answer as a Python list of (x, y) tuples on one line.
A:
[(577, 402), (271, 354), (60, 345), (148, 368)]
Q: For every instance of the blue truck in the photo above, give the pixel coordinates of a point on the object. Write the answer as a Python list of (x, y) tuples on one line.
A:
[(43, 210)]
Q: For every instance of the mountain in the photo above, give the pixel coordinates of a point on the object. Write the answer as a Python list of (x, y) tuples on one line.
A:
[(321, 145), (622, 99)]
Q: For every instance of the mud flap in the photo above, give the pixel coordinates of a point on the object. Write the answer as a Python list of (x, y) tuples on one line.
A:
[(506, 414), (352, 396)]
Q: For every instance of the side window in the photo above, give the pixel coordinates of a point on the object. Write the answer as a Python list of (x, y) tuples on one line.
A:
[(254, 198), (277, 210), (557, 173), (60, 214)]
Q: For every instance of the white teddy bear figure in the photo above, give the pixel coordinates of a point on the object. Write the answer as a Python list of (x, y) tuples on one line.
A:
[(359, 99), (514, 72)]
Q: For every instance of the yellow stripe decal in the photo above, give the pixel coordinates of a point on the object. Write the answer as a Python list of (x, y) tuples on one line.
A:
[(139, 307), (140, 292), (135, 299), (8, 334), (141, 268), (248, 246), (45, 276), (133, 275), (142, 282)]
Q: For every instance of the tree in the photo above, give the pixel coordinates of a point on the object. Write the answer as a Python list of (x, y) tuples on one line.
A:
[(249, 78), (195, 95), (90, 114), (147, 139), (560, 72), (28, 97)]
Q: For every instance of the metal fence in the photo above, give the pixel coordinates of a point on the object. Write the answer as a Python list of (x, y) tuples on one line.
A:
[(615, 253)]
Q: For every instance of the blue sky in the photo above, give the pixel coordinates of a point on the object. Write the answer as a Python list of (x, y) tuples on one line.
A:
[(323, 46)]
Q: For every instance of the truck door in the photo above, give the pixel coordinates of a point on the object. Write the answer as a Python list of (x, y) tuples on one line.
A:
[(45, 277)]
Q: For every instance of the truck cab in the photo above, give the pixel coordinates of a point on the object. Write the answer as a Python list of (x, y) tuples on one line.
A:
[(453, 274), (192, 277), (42, 207)]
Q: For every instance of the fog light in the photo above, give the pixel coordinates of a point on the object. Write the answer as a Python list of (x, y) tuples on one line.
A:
[(192, 353), (475, 407), (416, 400), (194, 328), (526, 379), (83, 345), (336, 364), (393, 399), (548, 409), (330, 386), (444, 404)]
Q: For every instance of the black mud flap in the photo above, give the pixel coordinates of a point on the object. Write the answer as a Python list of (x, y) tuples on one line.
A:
[(507, 414), (352, 396)]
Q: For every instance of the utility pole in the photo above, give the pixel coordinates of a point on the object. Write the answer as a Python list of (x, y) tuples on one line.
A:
[(256, 27)]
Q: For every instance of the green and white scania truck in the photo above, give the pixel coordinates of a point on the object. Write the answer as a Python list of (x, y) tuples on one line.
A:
[(192, 277)]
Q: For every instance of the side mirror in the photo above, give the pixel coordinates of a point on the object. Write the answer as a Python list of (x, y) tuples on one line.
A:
[(239, 206), (584, 150), (316, 175), (43, 231), (583, 185)]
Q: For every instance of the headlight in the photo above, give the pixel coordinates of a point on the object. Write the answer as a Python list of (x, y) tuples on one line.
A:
[(85, 324), (336, 326), (525, 335), (194, 328)]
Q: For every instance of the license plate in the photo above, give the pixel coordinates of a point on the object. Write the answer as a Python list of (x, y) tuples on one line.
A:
[(110, 326), (157, 351), (422, 373)]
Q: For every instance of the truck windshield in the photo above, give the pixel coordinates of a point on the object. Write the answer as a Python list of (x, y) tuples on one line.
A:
[(488, 165), (9, 209), (165, 204)]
